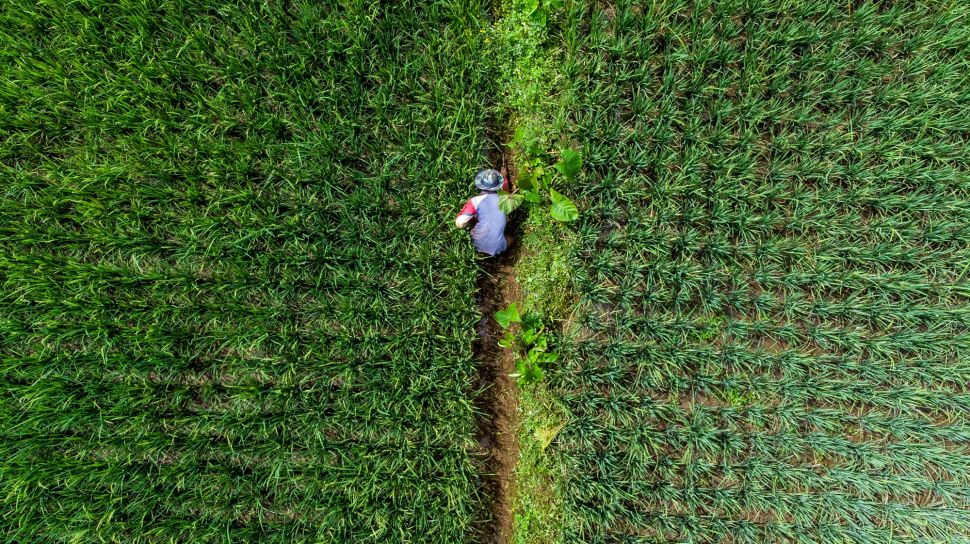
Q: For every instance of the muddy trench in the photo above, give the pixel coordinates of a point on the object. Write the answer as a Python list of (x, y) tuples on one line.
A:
[(497, 403)]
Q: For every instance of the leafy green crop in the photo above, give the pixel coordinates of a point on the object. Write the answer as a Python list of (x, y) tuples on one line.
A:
[(562, 208), (528, 338), (773, 336), (229, 307), (535, 180), (537, 10)]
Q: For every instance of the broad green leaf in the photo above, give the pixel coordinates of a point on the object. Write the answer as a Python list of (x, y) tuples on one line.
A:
[(508, 316), (549, 357), (562, 209), (529, 6), (507, 341), (570, 163), (508, 202), (526, 180), (520, 367), (545, 435), (529, 336), (533, 355), (531, 196), (532, 374)]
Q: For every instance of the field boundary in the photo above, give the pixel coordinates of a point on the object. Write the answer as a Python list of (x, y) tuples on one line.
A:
[(497, 402), (527, 503)]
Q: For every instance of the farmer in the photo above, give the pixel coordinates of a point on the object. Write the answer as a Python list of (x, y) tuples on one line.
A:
[(489, 232)]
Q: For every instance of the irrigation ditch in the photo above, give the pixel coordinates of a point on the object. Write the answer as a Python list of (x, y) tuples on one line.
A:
[(497, 424)]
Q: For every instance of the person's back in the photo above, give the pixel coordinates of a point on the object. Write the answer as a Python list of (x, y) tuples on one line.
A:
[(488, 233)]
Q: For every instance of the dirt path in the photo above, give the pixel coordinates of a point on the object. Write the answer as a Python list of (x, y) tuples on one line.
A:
[(497, 424)]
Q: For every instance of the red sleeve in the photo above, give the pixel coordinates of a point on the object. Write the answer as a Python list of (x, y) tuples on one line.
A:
[(468, 209), (506, 186)]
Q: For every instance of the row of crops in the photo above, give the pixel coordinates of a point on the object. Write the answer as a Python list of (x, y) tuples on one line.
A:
[(229, 308), (773, 272), (233, 307)]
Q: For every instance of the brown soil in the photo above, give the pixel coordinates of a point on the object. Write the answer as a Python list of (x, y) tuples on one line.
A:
[(497, 424)]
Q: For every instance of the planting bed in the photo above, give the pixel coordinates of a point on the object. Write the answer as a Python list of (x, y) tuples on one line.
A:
[(773, 341)]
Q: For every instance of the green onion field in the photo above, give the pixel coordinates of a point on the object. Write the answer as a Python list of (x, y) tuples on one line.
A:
[(229, 310), (234, 306), (774, 273)]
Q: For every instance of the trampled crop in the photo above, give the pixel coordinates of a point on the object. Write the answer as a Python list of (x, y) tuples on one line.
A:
[(229, 310), (773, 270)]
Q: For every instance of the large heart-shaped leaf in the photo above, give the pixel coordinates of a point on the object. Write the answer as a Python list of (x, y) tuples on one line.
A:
[(531, 196), (526, 180), (562, 209), (508, 202), (570, 163), (508, 316)]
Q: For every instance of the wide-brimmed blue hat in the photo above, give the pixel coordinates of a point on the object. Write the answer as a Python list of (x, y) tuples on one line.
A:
[(489, 180)]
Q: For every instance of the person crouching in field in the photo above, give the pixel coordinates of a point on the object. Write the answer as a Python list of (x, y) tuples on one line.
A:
[(488, 234)]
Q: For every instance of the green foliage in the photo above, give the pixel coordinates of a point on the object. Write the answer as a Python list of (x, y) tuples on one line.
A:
[(537, 508), (509, 202), (516, 53), (509, 315), (570, 163), (229, 310), (545, 271), (536, 179), (537, 11), (772, 338), (737, 399), (562, 208), (529, 341)]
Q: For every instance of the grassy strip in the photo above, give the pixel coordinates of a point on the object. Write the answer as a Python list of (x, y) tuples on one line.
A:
[(532, 104), (538, 514)]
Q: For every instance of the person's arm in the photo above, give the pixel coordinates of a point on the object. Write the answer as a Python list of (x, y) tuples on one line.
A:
[(466, 214), (507, 184)]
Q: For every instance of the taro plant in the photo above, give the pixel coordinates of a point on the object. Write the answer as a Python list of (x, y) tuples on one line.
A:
[(527, 337), (538, 10), (536, 180)]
